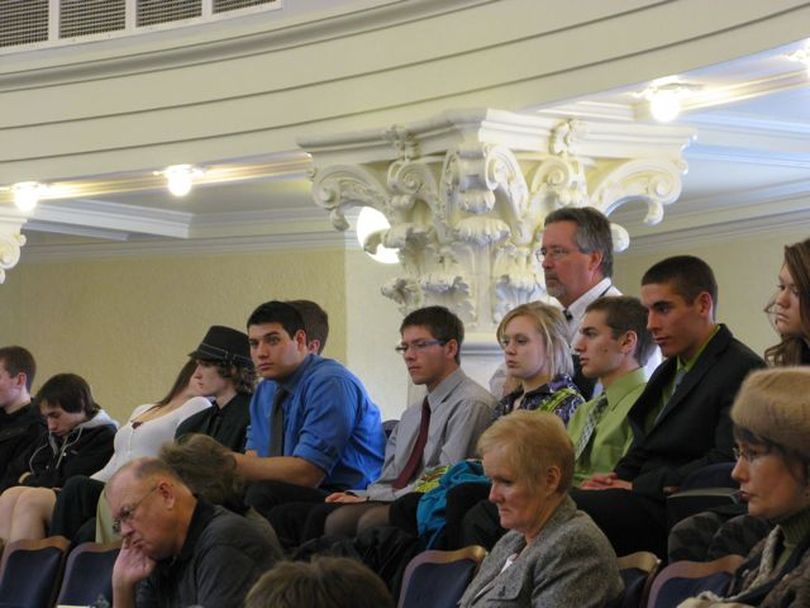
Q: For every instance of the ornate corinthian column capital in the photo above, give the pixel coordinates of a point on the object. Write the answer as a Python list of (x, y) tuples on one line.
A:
[(10, 240), (466, 195)]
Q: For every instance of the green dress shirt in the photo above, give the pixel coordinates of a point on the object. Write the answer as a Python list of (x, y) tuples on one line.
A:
[(612, 437)]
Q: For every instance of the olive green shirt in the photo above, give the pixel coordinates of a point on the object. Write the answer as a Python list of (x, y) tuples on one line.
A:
[(612, 436)]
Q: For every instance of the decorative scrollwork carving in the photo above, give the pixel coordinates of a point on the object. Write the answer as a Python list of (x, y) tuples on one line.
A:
[(464, 217), (656, 182), (10, 244), (343, 186)]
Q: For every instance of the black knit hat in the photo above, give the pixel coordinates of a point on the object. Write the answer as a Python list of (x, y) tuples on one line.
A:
[(224, 344)]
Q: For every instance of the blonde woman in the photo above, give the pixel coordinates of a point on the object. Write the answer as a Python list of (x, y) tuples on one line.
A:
[(536, 353)]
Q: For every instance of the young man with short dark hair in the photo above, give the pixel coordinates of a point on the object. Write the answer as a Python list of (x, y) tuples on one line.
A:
[(313, 428), (20, 422), (681, 421), (613, 344), (316, 323), (441, 429)]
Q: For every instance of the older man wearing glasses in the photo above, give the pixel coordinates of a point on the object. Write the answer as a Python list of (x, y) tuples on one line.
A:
[(179, 550), (576, 255)]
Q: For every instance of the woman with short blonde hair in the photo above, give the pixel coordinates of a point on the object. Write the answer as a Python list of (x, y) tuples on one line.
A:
[(552, 554), (538, 359)]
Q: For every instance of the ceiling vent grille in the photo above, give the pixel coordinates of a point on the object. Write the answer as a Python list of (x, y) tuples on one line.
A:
[(85, 17), (23, 22), (222, 6), (35, 24), (153, 12)]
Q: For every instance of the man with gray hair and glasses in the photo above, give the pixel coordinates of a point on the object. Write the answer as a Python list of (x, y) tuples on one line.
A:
[(179, 550), (576, 255)]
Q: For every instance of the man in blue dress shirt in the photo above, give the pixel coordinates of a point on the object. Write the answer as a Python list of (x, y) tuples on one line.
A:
[(313, 428)]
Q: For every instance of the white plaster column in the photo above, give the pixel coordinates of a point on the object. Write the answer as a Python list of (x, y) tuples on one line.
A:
[(466, 195), (11, 240)]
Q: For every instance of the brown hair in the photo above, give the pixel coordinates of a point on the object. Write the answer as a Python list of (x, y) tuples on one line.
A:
[(205, 466), (17, 359), (791, 349), (325, 582)]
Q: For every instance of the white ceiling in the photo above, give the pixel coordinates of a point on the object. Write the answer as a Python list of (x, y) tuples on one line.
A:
[(750, 162)]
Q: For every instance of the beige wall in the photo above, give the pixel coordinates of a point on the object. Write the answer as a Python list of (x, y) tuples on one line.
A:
[(745, 269), (127, 324), (373, 328)]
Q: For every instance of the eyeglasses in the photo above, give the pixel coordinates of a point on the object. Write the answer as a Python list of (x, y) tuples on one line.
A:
[(418, 345), (127, 513), (552, 253), (747, 454)]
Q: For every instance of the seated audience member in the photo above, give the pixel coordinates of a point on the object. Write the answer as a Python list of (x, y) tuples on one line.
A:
[(179, 550), (553, 555), (20, 422), (711, 534), (440, 430), (209, 470), (613, 346), (225, 373), (78, 442), (771, 426), (790, 308), (148, 428), (316, 324), (576, 255), (325, 582), (680, 422), (313, 428), (537, 355)]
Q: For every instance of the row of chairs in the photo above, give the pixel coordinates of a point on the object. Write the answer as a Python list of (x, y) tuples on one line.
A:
[(41, 573), (438, 578), (34, 574)]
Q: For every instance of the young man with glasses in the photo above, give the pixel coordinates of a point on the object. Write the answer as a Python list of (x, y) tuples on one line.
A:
[(313, 428), (179, 550), (441, 429)]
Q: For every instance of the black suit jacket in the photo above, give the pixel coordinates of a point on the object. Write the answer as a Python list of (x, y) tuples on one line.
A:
[(694, 429)]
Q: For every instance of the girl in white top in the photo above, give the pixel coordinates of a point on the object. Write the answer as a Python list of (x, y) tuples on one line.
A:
[(148, 428)]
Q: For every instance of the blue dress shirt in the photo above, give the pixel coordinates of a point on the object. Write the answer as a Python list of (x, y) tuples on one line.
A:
[(329, 421)]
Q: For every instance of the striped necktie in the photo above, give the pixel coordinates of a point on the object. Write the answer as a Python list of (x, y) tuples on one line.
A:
[(590, 425)]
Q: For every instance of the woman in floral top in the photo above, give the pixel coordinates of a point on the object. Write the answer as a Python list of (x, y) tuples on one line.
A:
[(538, 360)]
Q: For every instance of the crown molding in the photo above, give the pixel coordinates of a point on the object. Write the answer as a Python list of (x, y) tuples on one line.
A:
[(723, 232), (724, 217), (112, 217), (148, 248)]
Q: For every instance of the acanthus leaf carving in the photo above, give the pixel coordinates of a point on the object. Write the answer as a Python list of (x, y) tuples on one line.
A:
[(341, 187), (11, 243), (656, 182), (465, 218)]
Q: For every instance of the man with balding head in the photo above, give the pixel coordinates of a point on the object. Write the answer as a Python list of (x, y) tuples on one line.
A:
[(179, 550)]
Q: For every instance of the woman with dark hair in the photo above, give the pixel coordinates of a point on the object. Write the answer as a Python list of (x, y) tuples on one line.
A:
[(790, 308), (79, 441), (771, 416)]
